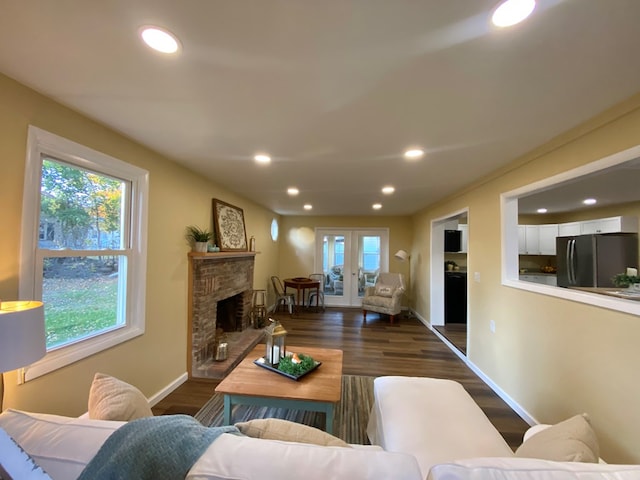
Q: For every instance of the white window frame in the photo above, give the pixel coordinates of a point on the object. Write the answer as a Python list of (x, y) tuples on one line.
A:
[(42, 143)]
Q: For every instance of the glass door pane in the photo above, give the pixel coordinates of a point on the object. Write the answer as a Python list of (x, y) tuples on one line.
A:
[(369, 256), (333, 249)]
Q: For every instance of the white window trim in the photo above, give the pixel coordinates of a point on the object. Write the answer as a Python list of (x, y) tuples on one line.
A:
[(509, 221), (41, 142)]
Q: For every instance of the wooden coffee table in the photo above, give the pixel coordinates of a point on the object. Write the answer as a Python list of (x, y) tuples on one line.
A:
[(318, 391)]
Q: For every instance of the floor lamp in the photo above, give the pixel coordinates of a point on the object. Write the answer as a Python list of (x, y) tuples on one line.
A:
[(22, 337), (404, 256)]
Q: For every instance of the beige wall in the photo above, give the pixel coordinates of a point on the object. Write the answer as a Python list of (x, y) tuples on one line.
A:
[(297, 246), (554, 357), (177, 198)]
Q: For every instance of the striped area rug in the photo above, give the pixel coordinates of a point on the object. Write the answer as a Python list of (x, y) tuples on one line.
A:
[(350, 415)]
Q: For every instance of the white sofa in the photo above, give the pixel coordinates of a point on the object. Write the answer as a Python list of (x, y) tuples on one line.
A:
[(438, 423), (63, 446), (422, 427)]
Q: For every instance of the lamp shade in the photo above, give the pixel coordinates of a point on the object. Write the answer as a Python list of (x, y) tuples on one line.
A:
[(22, 335), (401, 255)]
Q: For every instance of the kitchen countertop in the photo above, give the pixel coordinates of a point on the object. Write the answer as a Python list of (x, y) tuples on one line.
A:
[(538, 273), (612, 292)]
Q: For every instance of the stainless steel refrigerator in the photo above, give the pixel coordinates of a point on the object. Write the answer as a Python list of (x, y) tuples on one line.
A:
[(593, 260)]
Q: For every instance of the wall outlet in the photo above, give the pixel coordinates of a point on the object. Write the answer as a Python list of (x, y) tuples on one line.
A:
[(476, 276), (492, 326)]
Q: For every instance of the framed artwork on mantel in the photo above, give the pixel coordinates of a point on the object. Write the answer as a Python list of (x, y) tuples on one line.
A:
[(228, 222)]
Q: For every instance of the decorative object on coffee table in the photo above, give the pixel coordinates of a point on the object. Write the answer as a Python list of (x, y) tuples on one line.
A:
[(275, 335), (293, 366), (229, 226)]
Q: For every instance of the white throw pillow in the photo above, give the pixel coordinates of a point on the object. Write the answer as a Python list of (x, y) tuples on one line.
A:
[(113, 399), (572, 440), (62, 446)]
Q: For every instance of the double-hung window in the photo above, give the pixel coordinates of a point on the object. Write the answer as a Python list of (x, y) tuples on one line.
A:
[(83, 247)]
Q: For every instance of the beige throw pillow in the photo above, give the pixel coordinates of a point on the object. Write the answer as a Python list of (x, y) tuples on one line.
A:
[(278, 429), (113, 399), (572, 440), (384, 291)]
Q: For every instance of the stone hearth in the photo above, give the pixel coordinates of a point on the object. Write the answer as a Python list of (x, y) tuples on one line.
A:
[(220, 291)]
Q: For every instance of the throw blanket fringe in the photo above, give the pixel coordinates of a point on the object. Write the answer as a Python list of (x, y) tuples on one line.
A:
[(153, 448)]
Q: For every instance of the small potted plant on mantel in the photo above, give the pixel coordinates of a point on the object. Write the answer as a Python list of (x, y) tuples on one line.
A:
[(199, 238)]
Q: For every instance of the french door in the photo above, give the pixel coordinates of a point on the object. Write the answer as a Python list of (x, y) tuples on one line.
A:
[(351, 260)]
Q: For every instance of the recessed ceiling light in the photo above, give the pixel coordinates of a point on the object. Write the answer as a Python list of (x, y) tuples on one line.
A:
[(542, 210), (388, 190), (159, 39), (590, 201), (308, 206), (414, 153), (376, 206), (262, 158), (293, 191), (511, 12)]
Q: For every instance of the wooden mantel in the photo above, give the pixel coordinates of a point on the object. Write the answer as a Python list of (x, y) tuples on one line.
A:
[(204, 256)]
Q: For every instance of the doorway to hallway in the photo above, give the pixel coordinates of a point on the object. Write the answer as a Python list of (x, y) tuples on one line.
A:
[(449, 280)]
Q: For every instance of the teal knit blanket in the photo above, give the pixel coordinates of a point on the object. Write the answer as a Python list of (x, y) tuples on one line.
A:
[(157, 448)]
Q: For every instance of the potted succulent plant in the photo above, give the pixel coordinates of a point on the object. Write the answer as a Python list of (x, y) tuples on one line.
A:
[(199, 238), (623, 280)]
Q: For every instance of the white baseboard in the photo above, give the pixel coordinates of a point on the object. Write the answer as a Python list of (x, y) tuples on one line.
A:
[(515, 406), (154, 399)]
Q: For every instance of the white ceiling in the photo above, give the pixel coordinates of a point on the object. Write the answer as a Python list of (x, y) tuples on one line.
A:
[(333, 90)]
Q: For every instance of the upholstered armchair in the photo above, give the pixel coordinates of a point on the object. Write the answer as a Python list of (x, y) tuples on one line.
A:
[(385, 296)]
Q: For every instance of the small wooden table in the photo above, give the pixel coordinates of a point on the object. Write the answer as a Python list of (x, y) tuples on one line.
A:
[(318, 391), (302, 283)]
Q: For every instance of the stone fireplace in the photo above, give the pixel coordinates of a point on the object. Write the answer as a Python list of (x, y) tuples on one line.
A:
[(220, 290)]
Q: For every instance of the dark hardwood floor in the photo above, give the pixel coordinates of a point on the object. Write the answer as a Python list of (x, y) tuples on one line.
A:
[(374, 348), (456, 333)]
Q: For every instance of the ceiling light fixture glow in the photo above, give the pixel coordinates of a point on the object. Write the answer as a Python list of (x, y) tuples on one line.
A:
[(159, 39), (511, 12), (542, 210), (414, 153), (376, 206), (262, 158), (308, 206), (293, 191), (388, 190), (590, 201)]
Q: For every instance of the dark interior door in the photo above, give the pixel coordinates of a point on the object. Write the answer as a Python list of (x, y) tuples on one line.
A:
[(455, 297)]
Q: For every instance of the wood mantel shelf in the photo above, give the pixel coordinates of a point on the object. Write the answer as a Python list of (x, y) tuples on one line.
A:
[(204, 256)]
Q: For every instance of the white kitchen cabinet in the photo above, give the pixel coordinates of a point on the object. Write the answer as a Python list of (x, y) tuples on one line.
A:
[(569, 229), (537, 239), (626, 224), (528, 239), (464, 237), (522, 240), (547, 234)]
